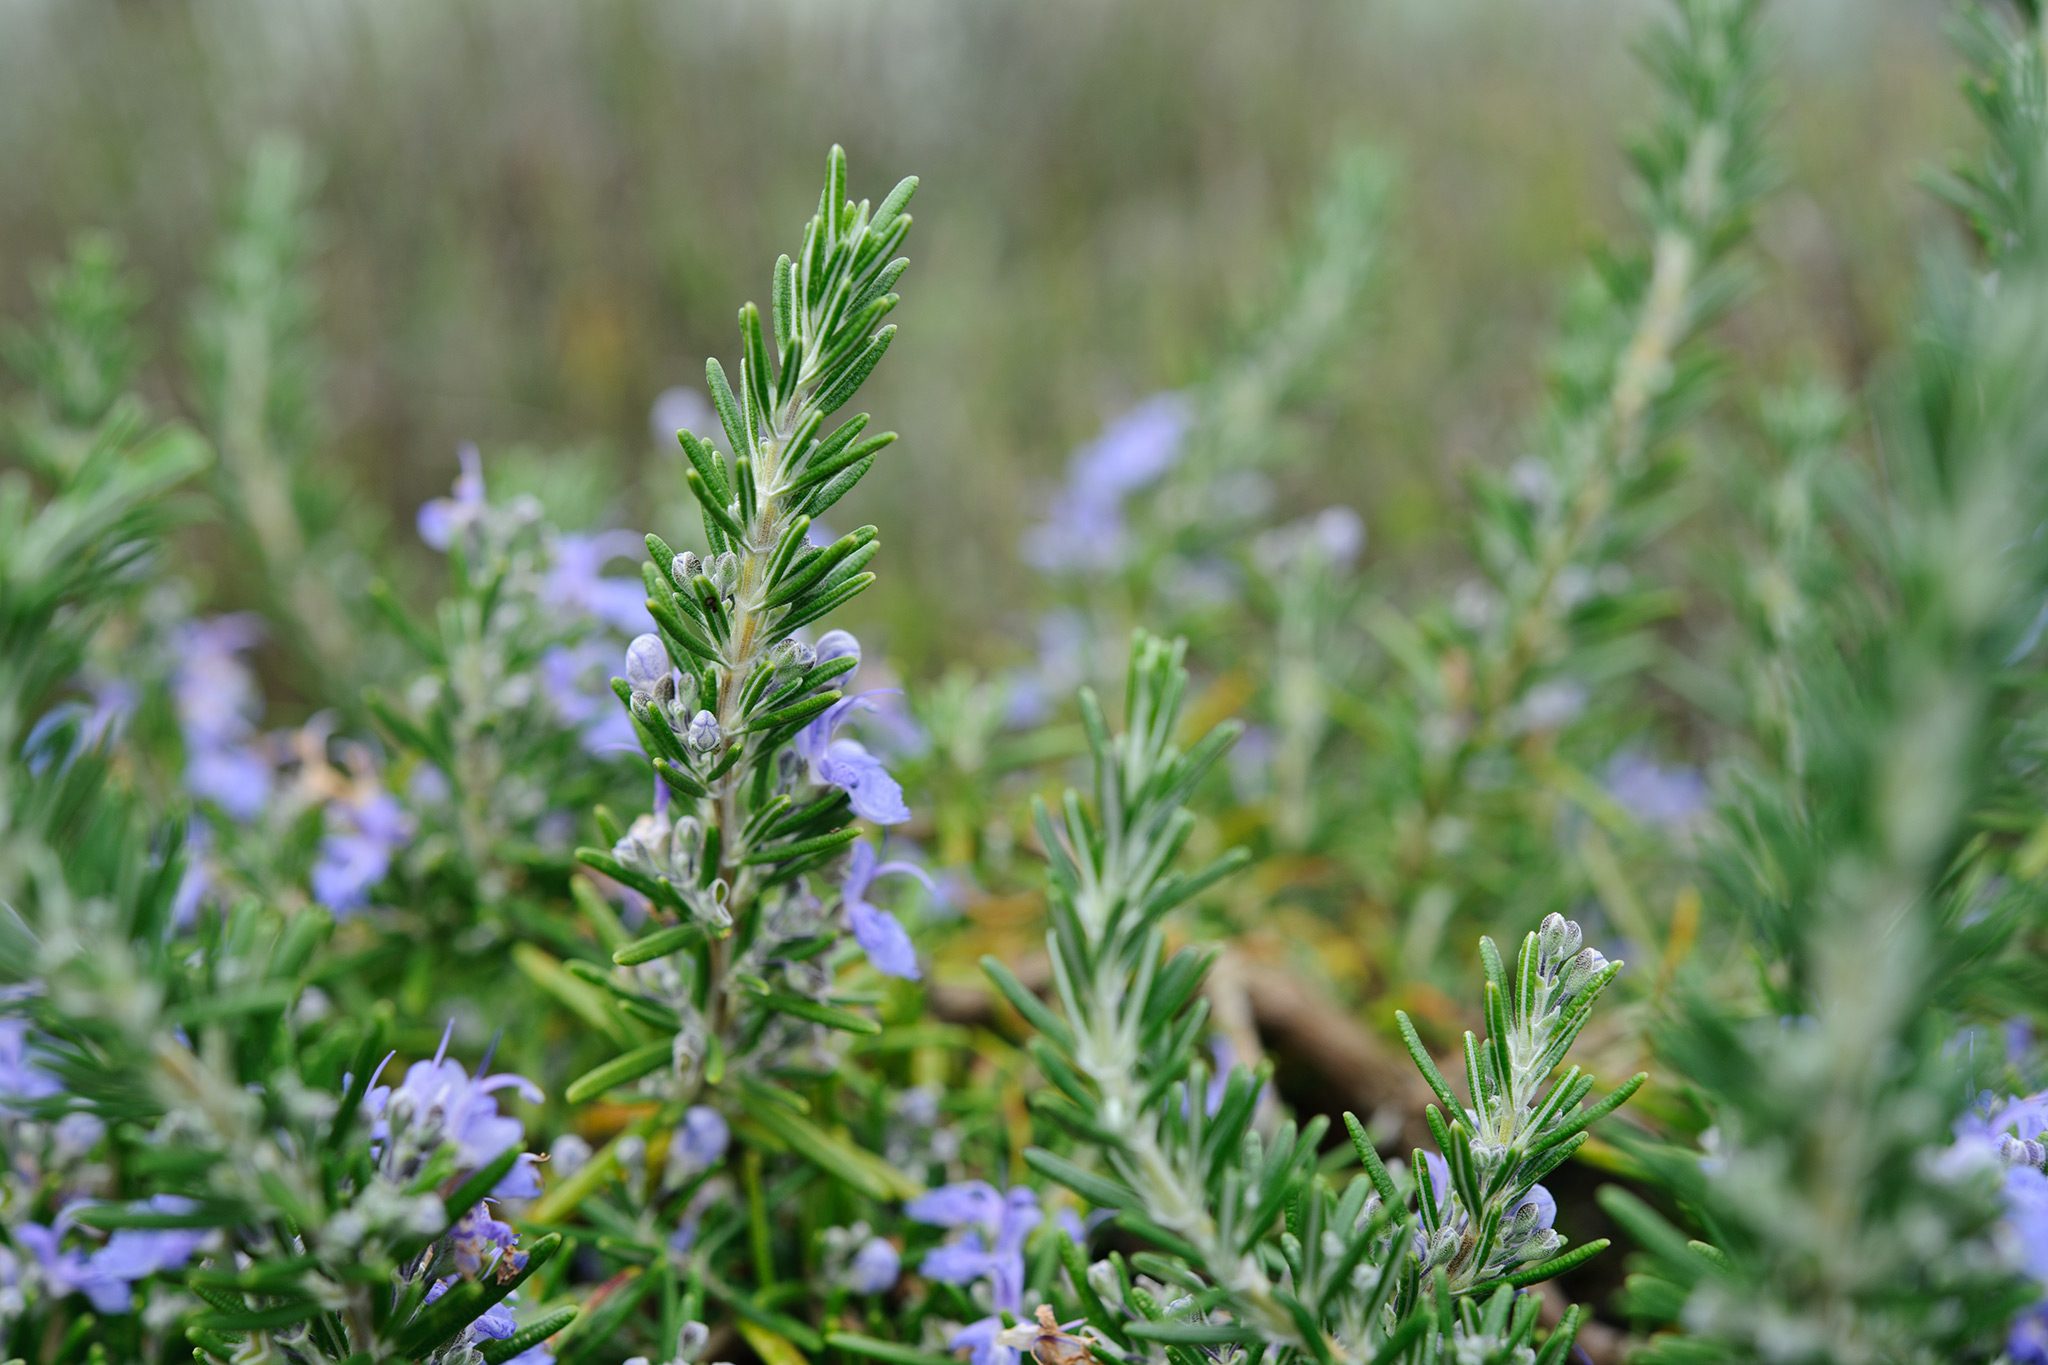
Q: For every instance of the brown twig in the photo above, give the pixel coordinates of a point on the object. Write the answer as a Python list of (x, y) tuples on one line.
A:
[(1329, 1062)]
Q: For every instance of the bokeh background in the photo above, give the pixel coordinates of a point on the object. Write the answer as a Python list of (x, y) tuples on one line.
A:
[(536, 216)]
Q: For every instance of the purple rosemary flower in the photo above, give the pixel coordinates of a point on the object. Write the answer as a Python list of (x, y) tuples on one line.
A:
[(441, 520), (2026, 1216), (237, 778), (212, 688), (496, 1323), (438, 1102), (1664, 798), (978, 1339), (1339, 533), (992, 1230), (880, 934), (93, 723), (572, 677), (2010, 1134), (1061, 666), (196, 879), (1333, 537), (700, 1140), (107, 1276), (1251, 764), (2027, 1340), (1439, 1184), (874, 1267), (215, 696), (1135, 449), (363, 834), (891, 729), (136, 1253), (480, 1243), (846, 763), (963, 1204), (647, 663), (1542, 1205), (61, 1272), (113, 701), (1084, 527), (1222, 1060), (21, 1080), (577, 585), (684, 1237), (990, 1248), (681, 408), (75, 1135), (1550, 706), (1521, 1233)]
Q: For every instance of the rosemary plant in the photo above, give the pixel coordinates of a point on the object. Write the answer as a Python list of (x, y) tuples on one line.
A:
[(1492, 682), (751, 854), (1258, 1252), (256, 369), (1848, 1207), (384, 982), (163, 1087)]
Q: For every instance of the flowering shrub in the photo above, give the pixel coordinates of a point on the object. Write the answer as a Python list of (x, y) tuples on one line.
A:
[(573, 963)]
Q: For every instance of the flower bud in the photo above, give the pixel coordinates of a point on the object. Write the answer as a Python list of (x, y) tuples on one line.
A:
[(836, 644), (792, 655), (1106, 1283), (567, 1155), (702, 735), (2018, 1151), (647, 663), (645, 845), (1557, 939), (684, 568), (687, 1054), (700, 1140), (1576, 973), (874, 1268)]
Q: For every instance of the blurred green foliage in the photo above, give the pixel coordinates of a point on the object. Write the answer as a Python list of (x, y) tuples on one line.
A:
[(533, 213)]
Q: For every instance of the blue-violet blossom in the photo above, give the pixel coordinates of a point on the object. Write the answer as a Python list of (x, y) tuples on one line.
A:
[(846, 763), (1084, 527), (439, 1100), (880, 934), (217, 702), (990, 1248)]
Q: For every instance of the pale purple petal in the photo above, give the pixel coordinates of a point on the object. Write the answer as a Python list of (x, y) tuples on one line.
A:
[(962, 1204), (961, 1262), (882, 937), (875, 1267), (702, 1137), (873, 793)]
